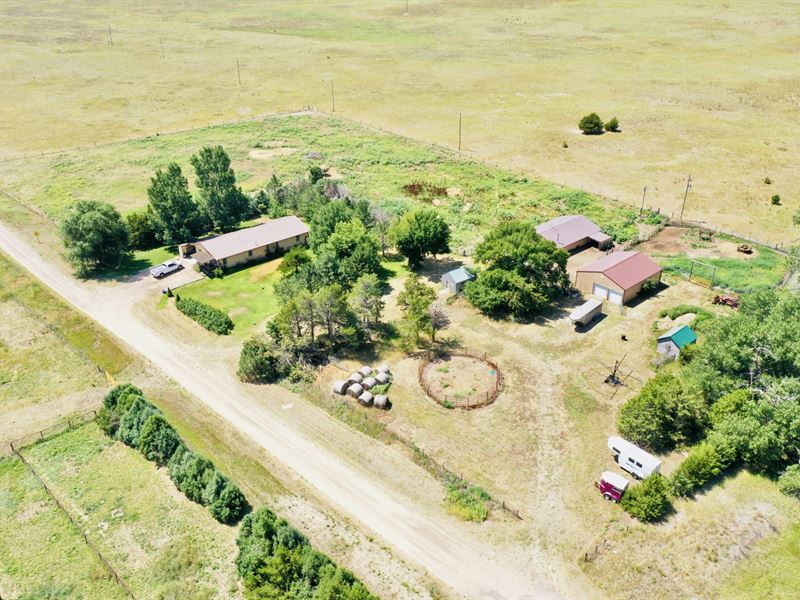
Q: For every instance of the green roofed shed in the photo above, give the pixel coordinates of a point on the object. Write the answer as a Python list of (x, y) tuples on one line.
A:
[(675, 340)]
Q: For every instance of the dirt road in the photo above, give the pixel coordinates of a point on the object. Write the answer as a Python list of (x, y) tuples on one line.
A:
[(436, 543)]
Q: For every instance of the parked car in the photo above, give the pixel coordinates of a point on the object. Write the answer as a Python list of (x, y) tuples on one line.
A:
[(164, 269), (612, 486), (633, 459)]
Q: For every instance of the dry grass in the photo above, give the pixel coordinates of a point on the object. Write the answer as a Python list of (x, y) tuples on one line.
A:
[(704, 89)]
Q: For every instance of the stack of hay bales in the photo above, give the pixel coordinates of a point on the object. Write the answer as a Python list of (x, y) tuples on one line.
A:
[(363, 380)]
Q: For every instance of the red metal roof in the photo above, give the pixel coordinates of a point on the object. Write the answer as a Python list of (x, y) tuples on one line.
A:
[(626, 269), (567, 230)]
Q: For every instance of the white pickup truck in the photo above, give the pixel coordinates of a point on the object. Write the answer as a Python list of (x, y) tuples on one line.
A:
[(165, 269)]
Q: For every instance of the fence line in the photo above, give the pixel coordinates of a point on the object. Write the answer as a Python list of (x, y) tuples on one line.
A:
[(473, 401), (38, 436), (86, 539), (739, 236)]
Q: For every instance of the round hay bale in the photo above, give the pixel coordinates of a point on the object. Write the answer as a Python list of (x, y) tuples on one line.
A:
[(382, 378), (384, 369), (365, 371), (355, 390), (366, 399), (340, 387), (381, 401), (355, 378), (369, 383)]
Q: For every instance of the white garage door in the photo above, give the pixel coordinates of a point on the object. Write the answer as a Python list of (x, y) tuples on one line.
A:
[(615, 297), (600, 291)]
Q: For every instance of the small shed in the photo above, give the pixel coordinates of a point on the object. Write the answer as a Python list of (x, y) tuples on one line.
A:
[(340, 387), (365, 371), (382, 378), (454, 280), (384, 369), (675, 340), (366, 399), (355, 390), (355, 378), (369, 383), (381, 401)]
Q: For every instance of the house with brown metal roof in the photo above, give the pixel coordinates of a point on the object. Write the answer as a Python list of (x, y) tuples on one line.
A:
[(573, 231), (248, 244), (617, 277)]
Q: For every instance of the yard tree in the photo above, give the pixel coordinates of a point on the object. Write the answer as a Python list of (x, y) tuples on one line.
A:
[(591, 124), (158, 440), (789, 481), (94, 235), (294, 260), (382, 224), (363, 212), (524, 272), (332, 309), (325, 220), (259, 361), (175, 213), (350, 252), (415, 300), (309, 312), (366, 300), (419, 233), (438, 319), (141, 229), (650, 500), (223, 202)]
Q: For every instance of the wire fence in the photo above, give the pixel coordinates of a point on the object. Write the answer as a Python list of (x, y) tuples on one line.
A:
[(466, 402), (782, 248), (20, 443)]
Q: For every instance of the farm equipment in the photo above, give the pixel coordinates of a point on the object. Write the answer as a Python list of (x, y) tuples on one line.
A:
[(705, 235), (744, 248), (612, 486), (725, 300)]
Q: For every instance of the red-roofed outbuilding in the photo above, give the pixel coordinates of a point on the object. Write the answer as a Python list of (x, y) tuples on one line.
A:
[(617, 277)]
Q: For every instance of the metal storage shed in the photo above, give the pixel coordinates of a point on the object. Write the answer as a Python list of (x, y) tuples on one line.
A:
[(617, 277), (675, 340), (454, 280)]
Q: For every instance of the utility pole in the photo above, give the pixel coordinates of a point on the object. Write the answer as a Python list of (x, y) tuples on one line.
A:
[(333, 99), (685, 194), (110, 39), (161, 40), (459, 132), (238, 72), (406, 7), (644, 193)]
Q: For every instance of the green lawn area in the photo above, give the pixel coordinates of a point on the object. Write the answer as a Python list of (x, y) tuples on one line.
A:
[(246, 294), (41, 554), (162, 544), (766, 270), (140, 260)]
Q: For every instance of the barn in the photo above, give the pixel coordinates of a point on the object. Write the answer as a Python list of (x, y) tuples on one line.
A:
[(248, 244), (675, 340), (573, 231), (617, 277), (453, 281)]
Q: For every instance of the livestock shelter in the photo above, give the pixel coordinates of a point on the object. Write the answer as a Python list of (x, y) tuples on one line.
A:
[(248, 244), (573, 231), (617, 277), (675, 340), (453, 281)]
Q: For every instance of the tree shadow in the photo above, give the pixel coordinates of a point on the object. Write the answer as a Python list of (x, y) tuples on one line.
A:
[(646, 295)]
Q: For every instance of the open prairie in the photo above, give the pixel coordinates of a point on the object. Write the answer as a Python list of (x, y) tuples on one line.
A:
[(705, 89)]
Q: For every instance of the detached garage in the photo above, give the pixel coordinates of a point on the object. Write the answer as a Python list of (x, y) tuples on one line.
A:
[(617, 277)]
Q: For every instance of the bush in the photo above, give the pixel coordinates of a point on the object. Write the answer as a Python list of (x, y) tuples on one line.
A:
[(776, 199), (133, 420), (468, 503), (112, 398), (191, 473), (259, 361), (591, 124), (767, 180), (649, 501), (158, 440), (612, 124), (701, 466), (213, 319), (789, 481), (230, 504)]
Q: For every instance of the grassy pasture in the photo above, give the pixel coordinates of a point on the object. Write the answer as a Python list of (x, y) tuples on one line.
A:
[(700, 88), (740, 275), (162, 544), (372, 164)]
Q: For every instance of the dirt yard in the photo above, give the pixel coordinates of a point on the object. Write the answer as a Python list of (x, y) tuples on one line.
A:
[(459, 377), (676, 240)]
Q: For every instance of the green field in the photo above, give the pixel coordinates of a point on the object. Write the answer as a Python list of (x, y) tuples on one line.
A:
[(471, 195), (161, 544), (764, 271)]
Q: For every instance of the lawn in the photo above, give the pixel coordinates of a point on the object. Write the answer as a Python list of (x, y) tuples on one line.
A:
[(521, 73), (162, 544), (246, 294), (42, 555), (140, 260), (766, 270)]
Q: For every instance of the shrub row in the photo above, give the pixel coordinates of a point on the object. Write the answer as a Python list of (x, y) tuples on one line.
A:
[(127, 416), (211, 318), (276, 561)]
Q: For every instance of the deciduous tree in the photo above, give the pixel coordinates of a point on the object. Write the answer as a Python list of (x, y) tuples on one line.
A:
[(94, 235), (175, 213), (419, 233)]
